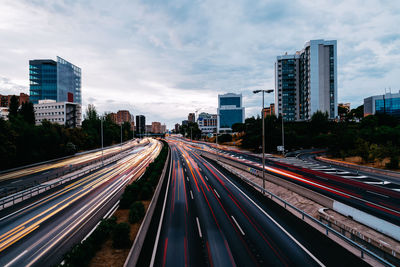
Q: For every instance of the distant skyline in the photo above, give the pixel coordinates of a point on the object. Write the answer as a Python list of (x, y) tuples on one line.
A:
[(165, 59)]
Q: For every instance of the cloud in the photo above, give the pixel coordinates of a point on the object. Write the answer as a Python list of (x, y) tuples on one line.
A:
[(165, 59)]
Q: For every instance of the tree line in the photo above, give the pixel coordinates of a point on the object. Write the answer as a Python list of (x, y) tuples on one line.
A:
[(23, 142), (372, 138)]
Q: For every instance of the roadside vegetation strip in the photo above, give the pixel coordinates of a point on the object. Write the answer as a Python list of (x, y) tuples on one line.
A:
[(113, 236)]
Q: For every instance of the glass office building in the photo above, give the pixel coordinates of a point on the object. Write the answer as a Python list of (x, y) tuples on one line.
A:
[(385, 104), (230, 111), (56, 80), (42, 80)]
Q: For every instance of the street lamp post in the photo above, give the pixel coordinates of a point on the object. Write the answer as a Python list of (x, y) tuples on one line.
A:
[(121, 135), (283, 136), (102, 160), (263, 131)]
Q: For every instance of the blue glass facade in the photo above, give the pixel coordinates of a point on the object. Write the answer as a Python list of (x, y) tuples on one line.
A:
[(230, 101), (228, 117), (68, 82), (60, 81), (390, 106), (42, 80), (288, 83)]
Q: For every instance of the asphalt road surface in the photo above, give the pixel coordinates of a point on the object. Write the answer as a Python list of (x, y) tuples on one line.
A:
[(211, 219), (40, 233)]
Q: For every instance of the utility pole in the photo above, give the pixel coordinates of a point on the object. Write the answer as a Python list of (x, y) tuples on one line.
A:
[(283, 137), (263, 132), (102, 159)]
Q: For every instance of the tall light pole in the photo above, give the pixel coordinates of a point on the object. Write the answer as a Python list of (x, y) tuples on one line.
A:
[(283, 136), (263, 132), (102, 160), (121, 135)]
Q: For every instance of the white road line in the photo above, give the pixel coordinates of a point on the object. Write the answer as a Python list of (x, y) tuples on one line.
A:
[(238, 226), (272, 219), (108, 214), (153, 256), (187, 178), (217, 193), (185, 169), (15, 259), (191, 194), (206, 177), (377, 194), (198, 227)]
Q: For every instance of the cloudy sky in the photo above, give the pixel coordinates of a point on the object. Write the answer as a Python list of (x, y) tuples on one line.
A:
[(165, 58)]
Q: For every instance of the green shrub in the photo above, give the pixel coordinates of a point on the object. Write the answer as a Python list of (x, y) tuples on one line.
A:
[(393, 163), (82, 253), (120, 236), (136, 212), (130, 195), (146, 191)]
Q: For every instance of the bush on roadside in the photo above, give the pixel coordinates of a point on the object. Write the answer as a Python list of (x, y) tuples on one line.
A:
[(136, 212), (82, 253), (120, 236), (130, 195)]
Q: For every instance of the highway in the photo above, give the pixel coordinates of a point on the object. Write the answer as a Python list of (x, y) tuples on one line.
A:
[(376, 200), (22, 177), (40, 233), (211, 219)]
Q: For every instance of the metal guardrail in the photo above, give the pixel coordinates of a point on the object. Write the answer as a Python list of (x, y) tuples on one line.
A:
[(304, 216), (36, 190), (69, 169)]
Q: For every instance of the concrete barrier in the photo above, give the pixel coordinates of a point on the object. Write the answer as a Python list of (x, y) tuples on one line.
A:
[(136, 248)]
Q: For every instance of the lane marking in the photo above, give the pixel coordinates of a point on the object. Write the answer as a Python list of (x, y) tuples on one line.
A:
[(198, 227), (153, 256), (206, 177), (16, 258), (217, 193), (191, 194), (238, 226), (377, 194), (187, 178), (273, 220)]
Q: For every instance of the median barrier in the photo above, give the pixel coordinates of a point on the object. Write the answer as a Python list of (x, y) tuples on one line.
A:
[(137, 246)]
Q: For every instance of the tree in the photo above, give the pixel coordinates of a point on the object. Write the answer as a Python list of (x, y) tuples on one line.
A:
[(238, 127), (356, 113), (319, 122), (13, 109), (91, 113), (27, 112)]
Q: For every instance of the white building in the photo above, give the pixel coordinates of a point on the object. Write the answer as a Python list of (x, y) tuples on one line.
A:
[(207, 123), (4, 113), (64, 113), (306, 82)]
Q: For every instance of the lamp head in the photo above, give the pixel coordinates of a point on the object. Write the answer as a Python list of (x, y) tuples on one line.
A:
[(256, 91)]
